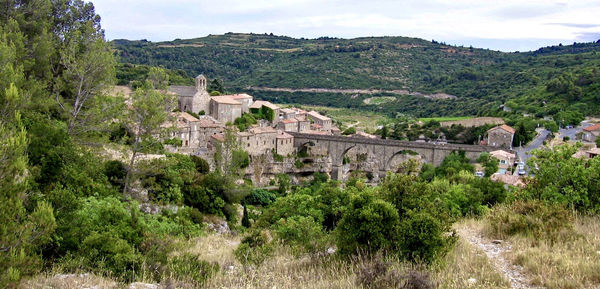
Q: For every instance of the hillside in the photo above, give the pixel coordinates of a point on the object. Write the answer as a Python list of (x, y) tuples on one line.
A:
[(481, 79)]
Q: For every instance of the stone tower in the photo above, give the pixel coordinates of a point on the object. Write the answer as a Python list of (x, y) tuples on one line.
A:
[(201, 99)]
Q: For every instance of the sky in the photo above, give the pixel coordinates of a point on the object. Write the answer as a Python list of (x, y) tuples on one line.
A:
[(506, 25)]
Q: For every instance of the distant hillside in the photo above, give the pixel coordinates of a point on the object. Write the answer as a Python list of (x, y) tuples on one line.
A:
[(544, 81)]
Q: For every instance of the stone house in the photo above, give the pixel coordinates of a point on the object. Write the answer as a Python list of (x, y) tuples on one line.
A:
[(288, 125), (320, 120), (182, 126), (224, 108), (205, 128), (287, 113), (506, 160), (258, 140), (501, 136), (284, 143), (303, 124), (259, 104), (245, 99), (192, 98), (590, 133)]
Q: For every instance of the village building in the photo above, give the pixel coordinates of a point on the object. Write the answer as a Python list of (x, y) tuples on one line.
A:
[(303, 124), (284, 143), (590, 133), (593, 152), (258, 105), (192, 98), (505, 159), (320, 120), (501, 136), (287, 113), (224, 108), (258, 140), (245, 99), (288, 125), (206, 127)]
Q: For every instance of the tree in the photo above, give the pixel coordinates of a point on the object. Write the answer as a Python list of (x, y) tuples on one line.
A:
[(215, 85), (22, 232), (88, 71), (149, 111), (489, 163)]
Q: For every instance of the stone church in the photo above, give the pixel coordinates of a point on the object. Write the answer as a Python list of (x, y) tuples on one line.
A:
[(193, 98)]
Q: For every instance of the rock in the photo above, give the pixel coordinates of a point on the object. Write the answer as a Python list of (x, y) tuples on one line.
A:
[(497, 241), (64, 276), (472, 281), (220, 227), (331, 250), (140, 285)]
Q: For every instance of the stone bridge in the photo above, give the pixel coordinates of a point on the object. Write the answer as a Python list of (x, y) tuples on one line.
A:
[(383, 150)]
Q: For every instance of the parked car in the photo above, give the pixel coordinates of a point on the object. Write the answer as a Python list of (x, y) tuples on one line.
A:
[(479, 174)]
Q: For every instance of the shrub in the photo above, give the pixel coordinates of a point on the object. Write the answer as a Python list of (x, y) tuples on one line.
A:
[(531, 218), (202, 166), (260, 197), (191, 268), (423, 237), (115, 171), (302, 233), (255, 248), (368, 225)]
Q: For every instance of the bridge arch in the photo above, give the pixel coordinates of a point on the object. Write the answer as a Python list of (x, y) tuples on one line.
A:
[(403, 155)]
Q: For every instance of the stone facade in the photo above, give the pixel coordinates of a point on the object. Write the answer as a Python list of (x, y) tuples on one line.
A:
[(192, 98), (258, 140), (288, 125), (590, 133), (224, 108), (501, 136), (284, 144), (320, 120)]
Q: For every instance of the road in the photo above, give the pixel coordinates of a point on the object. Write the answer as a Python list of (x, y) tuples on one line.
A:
[(523, 153)]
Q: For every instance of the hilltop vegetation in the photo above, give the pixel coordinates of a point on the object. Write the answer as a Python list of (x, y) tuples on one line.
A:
[(541, 82)]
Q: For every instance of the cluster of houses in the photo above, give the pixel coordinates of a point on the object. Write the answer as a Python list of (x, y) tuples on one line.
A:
[(207, 128), (214, 112)]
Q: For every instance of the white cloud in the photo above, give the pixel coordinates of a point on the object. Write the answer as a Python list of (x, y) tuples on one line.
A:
[(452, 21)]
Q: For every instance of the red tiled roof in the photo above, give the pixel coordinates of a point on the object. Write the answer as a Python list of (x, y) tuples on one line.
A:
[(592, 128), (505, 127)]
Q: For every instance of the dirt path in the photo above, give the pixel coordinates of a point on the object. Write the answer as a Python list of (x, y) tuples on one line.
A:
[(355, 91), (495, 250)]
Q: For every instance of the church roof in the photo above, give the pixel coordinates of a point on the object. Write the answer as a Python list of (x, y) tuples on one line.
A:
[(225, 99), (183, 90)]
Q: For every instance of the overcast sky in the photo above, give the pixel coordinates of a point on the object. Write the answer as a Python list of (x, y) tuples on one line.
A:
[(507, 25)]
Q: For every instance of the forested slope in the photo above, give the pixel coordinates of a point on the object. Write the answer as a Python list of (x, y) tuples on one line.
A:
[(562, 76)]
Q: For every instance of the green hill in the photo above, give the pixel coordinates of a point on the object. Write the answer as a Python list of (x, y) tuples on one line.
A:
[(541, 82)]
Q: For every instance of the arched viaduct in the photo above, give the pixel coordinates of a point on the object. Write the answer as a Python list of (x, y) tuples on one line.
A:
[(384, 150)]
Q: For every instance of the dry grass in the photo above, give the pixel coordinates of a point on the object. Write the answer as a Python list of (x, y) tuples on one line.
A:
[(53, 280), (466, 262), (284, 270), (569, 264)]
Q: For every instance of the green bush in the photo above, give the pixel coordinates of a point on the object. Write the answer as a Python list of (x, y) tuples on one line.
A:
[(423, 237), (260, 197), (202, 165), (115, 171), (531, 218), (302, 233), (255, 248), (368, 225)]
